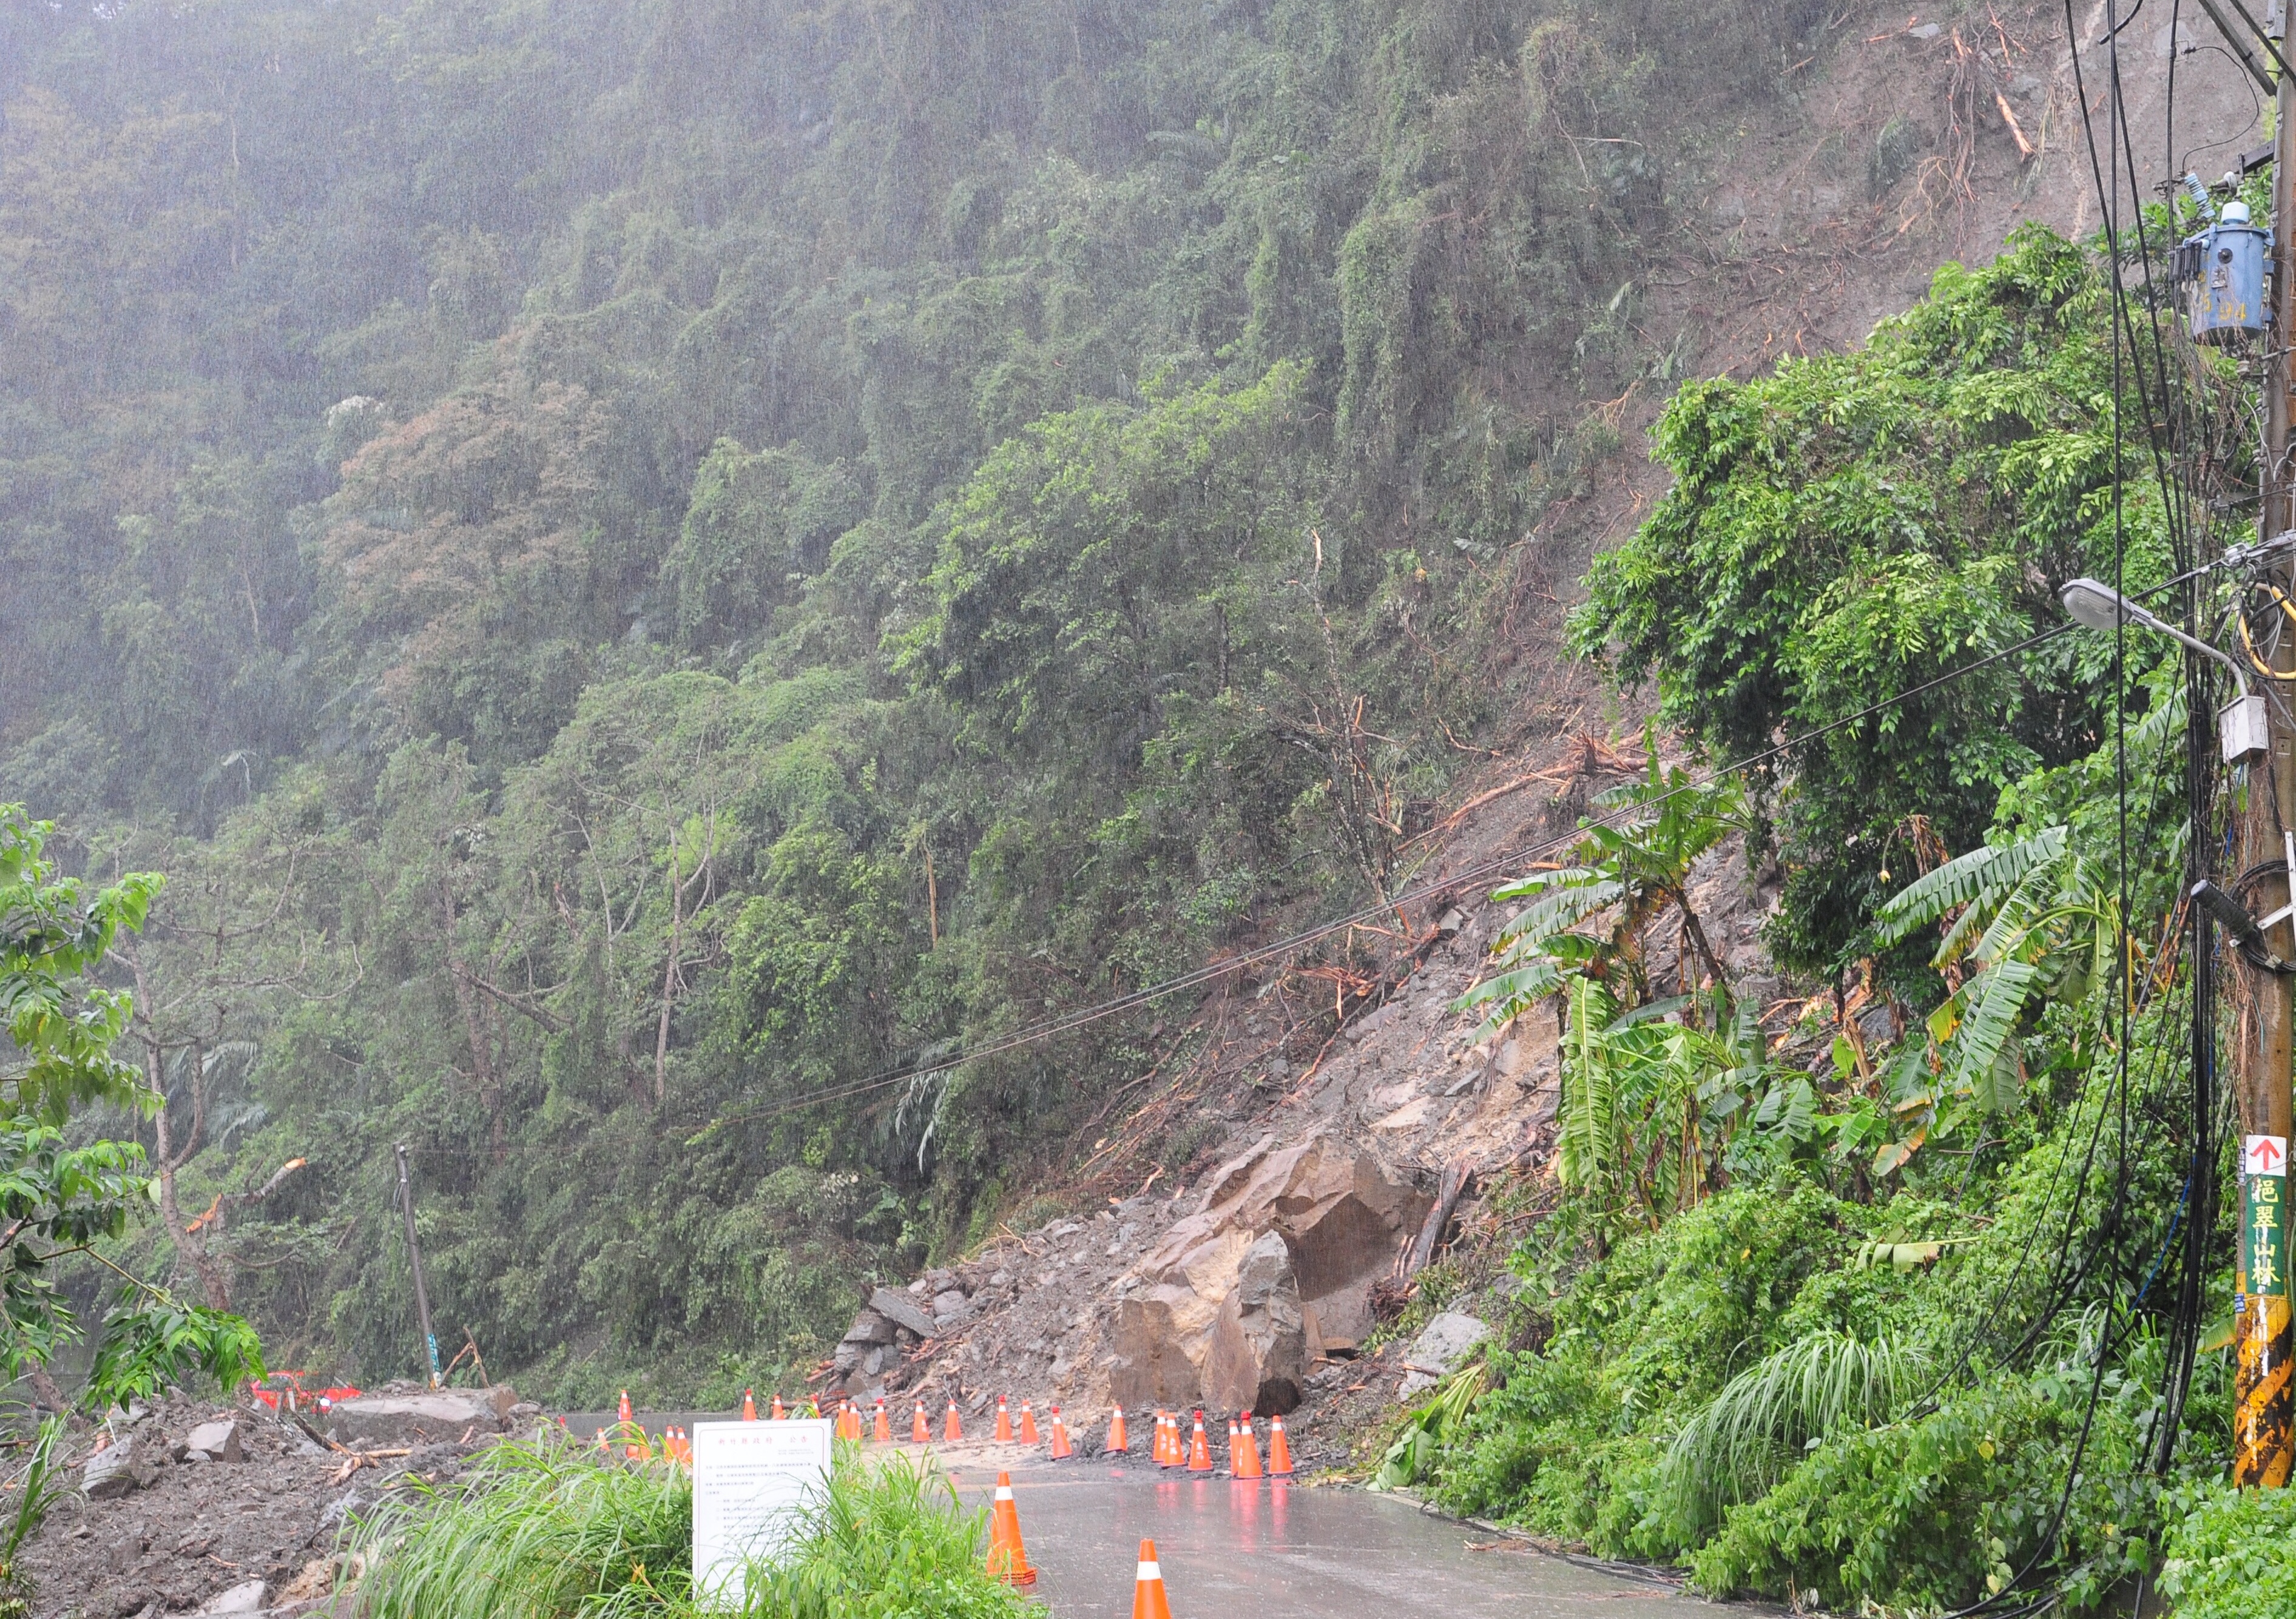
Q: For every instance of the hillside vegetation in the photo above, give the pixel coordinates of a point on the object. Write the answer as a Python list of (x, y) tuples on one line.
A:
[(667, 583), (639, 566)]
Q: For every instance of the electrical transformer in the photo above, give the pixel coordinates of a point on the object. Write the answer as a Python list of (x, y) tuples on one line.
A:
[(2224, 269)]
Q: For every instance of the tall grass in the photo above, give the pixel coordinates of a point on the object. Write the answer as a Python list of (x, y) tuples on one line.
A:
[(535, 1530), (1744, 1441), (545, 1530), (890, 1539)]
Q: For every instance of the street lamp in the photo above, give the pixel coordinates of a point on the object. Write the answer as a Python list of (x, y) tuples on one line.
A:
[(2241, 728)]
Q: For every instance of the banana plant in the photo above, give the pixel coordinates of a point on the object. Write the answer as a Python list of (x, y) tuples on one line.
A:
[(1626, 879), (1649, 1105), (2023, 923)]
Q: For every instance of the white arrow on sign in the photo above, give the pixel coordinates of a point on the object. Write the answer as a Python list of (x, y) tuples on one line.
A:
[(2264, 1155)]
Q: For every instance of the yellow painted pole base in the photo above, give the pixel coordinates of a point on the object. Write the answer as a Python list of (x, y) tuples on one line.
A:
[(2264, 1415)]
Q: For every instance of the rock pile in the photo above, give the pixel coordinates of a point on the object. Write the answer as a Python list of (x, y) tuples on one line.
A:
[(191, 1508)]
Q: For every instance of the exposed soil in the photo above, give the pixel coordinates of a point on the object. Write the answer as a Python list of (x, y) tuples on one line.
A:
[(193, 1531)]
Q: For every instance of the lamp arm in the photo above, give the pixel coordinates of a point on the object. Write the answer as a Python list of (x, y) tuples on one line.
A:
[(2240, 677)]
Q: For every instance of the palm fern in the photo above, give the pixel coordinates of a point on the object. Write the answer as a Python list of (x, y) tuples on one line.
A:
[(1747, 1436)]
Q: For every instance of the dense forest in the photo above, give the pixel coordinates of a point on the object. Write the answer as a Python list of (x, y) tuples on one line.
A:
[(637, 567)]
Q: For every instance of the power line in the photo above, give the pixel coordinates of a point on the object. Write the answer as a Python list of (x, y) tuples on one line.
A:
[(1085, 1017)]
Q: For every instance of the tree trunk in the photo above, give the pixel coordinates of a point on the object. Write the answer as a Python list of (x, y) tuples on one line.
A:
[(190, 1245), (668, 978), (474, 1029)]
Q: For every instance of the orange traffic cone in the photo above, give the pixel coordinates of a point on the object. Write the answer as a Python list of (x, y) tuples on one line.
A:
[(1279, 1450), (920, 1430), (781, 1412), (1061, 1450), (951, 1429), (1028, 1423), (1115, 1445), (1168, 1431), (884, 1431), (1007, 1560), (1148, 1599), (1200, 1449), (1250, 1468), (749, 1405), (1004, 1435), (602, 1449)]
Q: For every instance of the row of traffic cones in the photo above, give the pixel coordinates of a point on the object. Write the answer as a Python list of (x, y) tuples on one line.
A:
[(1008, 1558), (1195, 1453), (1167, 1449)]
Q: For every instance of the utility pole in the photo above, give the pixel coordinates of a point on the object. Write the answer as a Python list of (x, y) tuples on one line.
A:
[(415, 1262), (2264, 1421)]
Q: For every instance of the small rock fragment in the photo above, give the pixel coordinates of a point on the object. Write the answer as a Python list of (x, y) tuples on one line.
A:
[(112, 1473), (245, 1597), (217, 1441)]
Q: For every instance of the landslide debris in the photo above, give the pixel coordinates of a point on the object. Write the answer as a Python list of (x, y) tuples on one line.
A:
[(185, 1507)]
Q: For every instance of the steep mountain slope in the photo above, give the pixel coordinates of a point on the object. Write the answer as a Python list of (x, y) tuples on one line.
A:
[(666, 580), (1822, 216)]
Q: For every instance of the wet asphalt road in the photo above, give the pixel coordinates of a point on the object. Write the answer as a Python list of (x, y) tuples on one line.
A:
[(1236, 1550)]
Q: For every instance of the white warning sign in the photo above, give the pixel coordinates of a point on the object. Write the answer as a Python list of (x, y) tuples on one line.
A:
[(2264, 1155), (754, 1483)]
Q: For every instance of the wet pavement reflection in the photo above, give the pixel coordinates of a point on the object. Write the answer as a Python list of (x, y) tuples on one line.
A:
[(1231, 1550)]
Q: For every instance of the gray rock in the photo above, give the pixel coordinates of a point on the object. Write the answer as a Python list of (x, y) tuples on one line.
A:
[(1258, 1355), (1438, 1350), (869, 1328), (1465, 1082), (246, 1598), (902, 1311), (948, 1307), (217, 1441), (113, 1472), (436, 1416)]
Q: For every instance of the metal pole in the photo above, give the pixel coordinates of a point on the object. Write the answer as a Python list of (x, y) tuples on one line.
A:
[(2263, 1436), (415, 1262)]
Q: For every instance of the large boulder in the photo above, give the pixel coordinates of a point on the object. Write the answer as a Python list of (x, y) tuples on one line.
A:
[(1156, 1328), (1340, 1213), (1342, 1210), (432, 1416), (1257, 1359), (903, 1310)]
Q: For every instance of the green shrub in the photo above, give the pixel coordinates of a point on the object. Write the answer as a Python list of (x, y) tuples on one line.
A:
[(2231, 1554), (891, 1539), (1571, 1440), (1951, 1508)]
